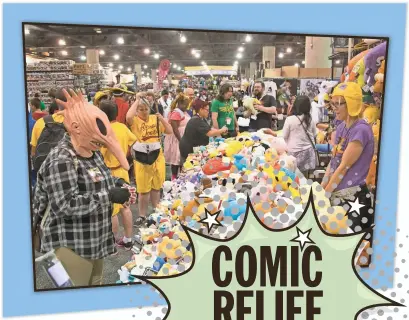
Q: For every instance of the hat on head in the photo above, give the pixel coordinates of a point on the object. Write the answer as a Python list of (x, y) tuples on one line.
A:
[(352, 94), (120, 89), (98, 96), (164, 92)]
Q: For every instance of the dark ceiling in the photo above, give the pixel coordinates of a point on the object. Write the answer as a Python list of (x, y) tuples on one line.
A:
[(215, 48)]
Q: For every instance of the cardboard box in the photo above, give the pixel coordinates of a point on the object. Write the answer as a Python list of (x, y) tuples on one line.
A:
[(290, 72), (308, 73), (81, 68), (324, 73), (272, 73)]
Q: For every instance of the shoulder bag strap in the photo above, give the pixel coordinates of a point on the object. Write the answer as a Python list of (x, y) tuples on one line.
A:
[(157, 127), (48, 119), (309, 139)]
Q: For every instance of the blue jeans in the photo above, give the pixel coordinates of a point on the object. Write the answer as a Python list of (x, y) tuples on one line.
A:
[(323, 148)]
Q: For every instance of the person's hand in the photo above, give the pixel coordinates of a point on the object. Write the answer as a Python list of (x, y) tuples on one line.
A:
[(258, 107), (160, 117), (224, 129), (120, 182)]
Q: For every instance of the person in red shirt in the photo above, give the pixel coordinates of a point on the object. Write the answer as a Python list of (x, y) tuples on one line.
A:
[(36, 113), (122, 103)]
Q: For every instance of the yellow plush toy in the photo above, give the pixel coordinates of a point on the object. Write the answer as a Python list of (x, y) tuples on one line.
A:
[(233, 147), (336, 221), (173, 249), (170, 271), (249, 104), (371, 114), (271, 155)]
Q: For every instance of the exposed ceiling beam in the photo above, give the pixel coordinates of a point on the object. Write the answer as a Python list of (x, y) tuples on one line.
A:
[(45, 28), (146, 42)]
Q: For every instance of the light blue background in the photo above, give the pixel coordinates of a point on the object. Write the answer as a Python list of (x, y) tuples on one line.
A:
[(363, 19)]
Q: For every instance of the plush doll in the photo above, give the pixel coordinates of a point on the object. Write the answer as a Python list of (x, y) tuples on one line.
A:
[(240, 162), (373, 61), (271, 156), (379, 77), (200, 208), (336, 220), (352, 63), (171, 270), (214, 166), (248, 104), (257, 191), (173, 249), (124, 275), (149, 235), (357, 74), (371, 114), (233, 147), (234, 210), (165, 227)]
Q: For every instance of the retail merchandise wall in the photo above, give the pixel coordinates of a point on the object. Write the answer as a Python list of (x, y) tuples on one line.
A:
[(19, 297)]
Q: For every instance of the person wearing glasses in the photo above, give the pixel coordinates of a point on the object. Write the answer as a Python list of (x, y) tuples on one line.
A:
[(198, 130), (223, 112), (351, 155)]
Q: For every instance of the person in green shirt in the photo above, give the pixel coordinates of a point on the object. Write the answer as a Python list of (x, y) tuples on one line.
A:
[(42, 105), (223, 112)]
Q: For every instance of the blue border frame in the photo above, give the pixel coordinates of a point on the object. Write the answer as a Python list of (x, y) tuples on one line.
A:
[(19, 297)]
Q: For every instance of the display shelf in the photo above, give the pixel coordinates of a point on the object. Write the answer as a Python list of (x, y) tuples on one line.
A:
[(48, 71)]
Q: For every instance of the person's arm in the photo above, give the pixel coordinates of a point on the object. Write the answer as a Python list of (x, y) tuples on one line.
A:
[(132, 110), (270, 132), (65, 198), (216, 132), (286, 129), (167, 127), (326, 177), (350, 156), (322, 126), (270, 110), (175, 127), (236, 124)]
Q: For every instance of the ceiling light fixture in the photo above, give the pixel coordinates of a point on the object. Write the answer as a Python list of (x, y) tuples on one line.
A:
[(239, 56), (248, 38), (26, 31), (120, 67), (101, 52), (147, 51), (116, 57), (197, 55), (64, 53), (120, 40), (337, 62), (182, 39), (289, 50), (203, 63), (193, 51), (61, 42), (241, 49), (236, 62), (83, 58), (179, 68), (129, 69), (281, 55), (296, 65), (110, 64), (175, 66), (145, 66), (156, 56), (303, 62), (82, 47)]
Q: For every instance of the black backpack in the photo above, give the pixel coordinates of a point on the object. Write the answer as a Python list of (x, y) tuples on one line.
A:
[(52, 134)]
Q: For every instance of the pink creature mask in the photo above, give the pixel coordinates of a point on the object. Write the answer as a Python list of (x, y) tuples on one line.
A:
[(89, 128)]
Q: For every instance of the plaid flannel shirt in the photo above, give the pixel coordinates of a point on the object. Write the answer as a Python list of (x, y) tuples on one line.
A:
[(77, 190)]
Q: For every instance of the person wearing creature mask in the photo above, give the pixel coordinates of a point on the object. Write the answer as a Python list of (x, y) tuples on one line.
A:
[(149, 161), (75, 190)]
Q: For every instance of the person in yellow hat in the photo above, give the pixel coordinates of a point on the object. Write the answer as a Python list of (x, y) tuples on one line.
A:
[(101, 96), (351, 155)]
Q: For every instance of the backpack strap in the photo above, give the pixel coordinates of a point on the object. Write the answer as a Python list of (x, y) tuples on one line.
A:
[(49, 119)]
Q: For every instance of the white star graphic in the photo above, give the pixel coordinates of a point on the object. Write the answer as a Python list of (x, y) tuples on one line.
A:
[(211, 220), (355, 206), (302, 238)]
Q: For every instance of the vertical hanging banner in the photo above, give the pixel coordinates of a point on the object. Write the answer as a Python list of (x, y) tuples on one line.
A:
[(164, 67)]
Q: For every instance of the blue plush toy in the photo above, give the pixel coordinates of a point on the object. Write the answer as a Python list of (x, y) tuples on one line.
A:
[(288, 173), (219, 140), (237, 212), (159, 262), (240, 162)]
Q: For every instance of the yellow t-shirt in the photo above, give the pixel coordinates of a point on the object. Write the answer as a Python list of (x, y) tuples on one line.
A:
[(39, 127), (146, 131), (125, 138)]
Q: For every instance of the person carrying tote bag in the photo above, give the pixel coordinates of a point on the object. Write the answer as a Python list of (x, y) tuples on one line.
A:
[(299, 132), (149, 161)]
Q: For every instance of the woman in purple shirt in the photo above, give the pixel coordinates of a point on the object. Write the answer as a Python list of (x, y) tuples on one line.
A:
[(351, 155)]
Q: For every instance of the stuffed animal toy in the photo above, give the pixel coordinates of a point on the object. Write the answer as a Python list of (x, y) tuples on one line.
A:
[(171, 270), (371, 114), (214, 166), (149, 235), (200, 208), (124, 275), (248, 104), (379, 77), (352, 63), (271, 155), (261, 191), (358, 72), (173, 249), (234, 210), (336, 220), (165, 227), (373, 61), (370, 179), (240, 162), (233, 147)]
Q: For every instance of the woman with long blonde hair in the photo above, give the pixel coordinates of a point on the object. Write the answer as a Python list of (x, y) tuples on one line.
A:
[(178, 118)]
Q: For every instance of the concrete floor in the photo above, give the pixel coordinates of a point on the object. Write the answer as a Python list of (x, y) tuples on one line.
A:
[(111, 264)]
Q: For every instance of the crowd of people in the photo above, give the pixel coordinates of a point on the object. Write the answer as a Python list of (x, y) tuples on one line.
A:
[(143, 132)]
